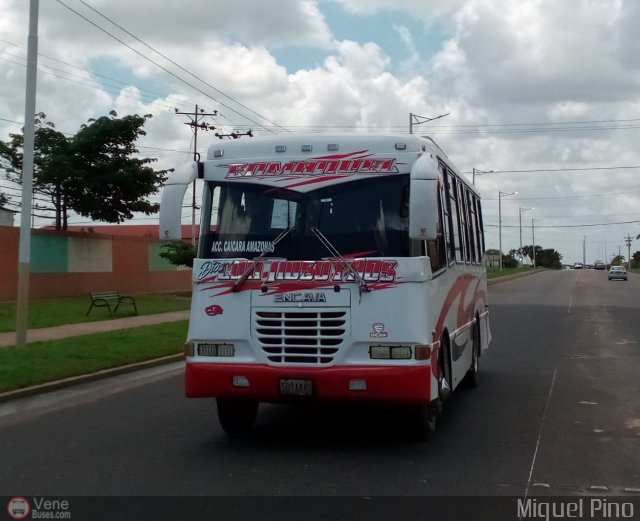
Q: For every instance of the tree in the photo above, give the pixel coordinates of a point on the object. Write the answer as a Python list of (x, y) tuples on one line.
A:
[(94, 173), (179, 253), (510, 260), (618, 260), (545, 258), (636, 259), (528, 251), (549, 258)]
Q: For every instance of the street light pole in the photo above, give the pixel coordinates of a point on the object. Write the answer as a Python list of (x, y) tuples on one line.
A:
[(479, 172), (520, 210), (533, 246), (500, 196), (533, 240)]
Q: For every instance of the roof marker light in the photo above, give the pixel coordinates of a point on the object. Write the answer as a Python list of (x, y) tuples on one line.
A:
[(218, 153), (333, 147), (307, 148), (281, 148)]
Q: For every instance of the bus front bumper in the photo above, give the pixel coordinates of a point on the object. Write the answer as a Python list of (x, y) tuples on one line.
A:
[(399, 384)]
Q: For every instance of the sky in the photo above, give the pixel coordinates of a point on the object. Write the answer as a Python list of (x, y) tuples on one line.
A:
[(543, 95)]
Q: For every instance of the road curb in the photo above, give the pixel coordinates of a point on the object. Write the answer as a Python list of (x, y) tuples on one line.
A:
[(85, 378), (513, 276)]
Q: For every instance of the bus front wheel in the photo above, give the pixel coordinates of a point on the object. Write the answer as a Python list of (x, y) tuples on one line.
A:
[(422, 421), (472, 378), (237, 416)]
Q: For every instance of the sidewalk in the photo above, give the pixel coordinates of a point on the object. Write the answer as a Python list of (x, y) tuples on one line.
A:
[(88, 328)]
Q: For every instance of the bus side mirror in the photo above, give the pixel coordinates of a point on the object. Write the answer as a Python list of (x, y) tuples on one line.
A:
[(423, 209), (171, 200)]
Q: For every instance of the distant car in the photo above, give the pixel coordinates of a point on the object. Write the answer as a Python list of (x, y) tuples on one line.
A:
[(577, 266), (617, 272), (600, 266)]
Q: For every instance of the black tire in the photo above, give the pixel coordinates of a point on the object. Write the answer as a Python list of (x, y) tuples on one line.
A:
[(472, 378), (237, 416), (422, 417), (421, 421), (446, 375)]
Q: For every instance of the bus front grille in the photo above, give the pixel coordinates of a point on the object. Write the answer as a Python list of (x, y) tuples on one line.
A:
[(299, 337)]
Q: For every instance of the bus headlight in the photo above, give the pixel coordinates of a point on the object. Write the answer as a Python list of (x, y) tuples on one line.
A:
[(401, 352), (224, 350), (390, 352)]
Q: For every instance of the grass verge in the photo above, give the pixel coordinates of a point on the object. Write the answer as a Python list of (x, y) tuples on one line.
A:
[(41, 362), (72, 310), (493, 273)]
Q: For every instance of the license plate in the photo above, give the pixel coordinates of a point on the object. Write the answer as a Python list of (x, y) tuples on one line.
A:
[(294, 387)]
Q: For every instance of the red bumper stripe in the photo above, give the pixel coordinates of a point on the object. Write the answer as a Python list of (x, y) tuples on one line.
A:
[(384, 384)]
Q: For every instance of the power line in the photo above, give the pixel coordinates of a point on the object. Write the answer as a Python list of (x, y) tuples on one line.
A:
[(89, 82), (91, 72), (180, 66), (466, 129), (566, 225), (587, 122), (583, 169), (553, 198), (182, 80), (574, 196)]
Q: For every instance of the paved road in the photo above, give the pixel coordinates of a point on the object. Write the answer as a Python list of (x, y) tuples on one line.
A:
[(556, 413)]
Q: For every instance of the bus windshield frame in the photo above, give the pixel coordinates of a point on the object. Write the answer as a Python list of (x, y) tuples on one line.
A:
[(361, 218)]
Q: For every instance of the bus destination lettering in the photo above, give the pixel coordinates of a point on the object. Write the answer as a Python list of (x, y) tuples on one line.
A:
[(330, 165), (325, 271)]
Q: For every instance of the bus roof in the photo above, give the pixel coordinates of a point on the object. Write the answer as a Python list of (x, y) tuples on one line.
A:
[(308, 161), (321, 144)]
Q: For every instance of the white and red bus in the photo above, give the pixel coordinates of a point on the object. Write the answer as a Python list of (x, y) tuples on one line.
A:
[(332, 267)]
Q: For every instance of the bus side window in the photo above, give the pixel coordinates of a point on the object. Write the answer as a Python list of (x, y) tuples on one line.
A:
[(437, 253)]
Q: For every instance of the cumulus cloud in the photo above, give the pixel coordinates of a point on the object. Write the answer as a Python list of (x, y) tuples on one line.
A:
[(501, 62), (425, 9)]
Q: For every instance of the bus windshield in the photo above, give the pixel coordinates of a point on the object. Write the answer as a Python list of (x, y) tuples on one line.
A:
[(363, 218)]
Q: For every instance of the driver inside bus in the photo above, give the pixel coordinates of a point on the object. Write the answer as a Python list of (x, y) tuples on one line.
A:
[(257, 212)]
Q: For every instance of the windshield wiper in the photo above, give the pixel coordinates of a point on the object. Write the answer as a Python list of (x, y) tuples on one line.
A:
[(362, 285), (238, 283)]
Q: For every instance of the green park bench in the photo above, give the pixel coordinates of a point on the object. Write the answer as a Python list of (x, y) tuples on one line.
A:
[(110, 300)]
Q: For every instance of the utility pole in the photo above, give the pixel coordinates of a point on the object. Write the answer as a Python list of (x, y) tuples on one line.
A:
[(195, 122), (627, 239), (584, 250), (24, 253), (520, 210)]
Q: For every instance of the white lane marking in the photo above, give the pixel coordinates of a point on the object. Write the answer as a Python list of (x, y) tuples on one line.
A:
[(570, 304), (544, 416)]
